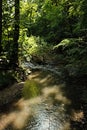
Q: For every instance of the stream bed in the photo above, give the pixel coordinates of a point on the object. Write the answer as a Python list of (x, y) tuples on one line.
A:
[(48, 102)]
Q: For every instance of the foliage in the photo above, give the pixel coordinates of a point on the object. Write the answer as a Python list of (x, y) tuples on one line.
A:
[(44, 24), (9, 77), (7, 25), (58, 20), (32, 45), (28, 14), (74, 51), (6, 79)]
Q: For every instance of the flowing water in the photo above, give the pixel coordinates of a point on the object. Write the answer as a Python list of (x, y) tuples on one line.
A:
[(48, 102)]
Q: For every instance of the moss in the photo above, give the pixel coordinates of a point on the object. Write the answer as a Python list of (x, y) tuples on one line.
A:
[(31, 89)]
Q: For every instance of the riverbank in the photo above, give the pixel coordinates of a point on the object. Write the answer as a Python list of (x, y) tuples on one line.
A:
[(52, 91), (10, 94)]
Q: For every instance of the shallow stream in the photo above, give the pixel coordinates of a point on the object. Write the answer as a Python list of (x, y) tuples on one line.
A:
[(48, 102)]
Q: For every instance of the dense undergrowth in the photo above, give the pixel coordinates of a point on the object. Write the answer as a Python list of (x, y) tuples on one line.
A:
[(9, 77), (73, 52), (48, 32), (70, 53)]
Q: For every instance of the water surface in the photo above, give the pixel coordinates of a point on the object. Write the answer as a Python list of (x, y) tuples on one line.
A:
[(48, 102)]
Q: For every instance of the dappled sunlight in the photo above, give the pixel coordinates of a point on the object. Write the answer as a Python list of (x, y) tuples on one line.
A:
[(56, 94), (21, 117), (5, 120), (77, 115), (43, 65), (49, 91), (32, 76), (45, 78), (22, 103), (25, 108), (38, 76), (18, 118), (62, 99)]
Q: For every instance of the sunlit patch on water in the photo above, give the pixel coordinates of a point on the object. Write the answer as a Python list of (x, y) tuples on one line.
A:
[(77, 115), (39, 113), (55, 94), (48, 119), (41, 108)]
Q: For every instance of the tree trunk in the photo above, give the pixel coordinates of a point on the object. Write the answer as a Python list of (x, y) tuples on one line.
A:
[(0, 26), (14, 55)]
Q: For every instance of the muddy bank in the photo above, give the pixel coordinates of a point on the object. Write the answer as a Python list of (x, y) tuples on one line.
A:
[(11, 94)]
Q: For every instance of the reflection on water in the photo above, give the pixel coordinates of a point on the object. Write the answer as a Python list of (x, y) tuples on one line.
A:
[(49, 113), (47, 118), (45, 105)]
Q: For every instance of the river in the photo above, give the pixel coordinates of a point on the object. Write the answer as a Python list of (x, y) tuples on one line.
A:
[(49, 101)]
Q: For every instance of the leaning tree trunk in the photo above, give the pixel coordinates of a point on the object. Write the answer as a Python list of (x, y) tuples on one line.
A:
[(14, 55), (0, 26)]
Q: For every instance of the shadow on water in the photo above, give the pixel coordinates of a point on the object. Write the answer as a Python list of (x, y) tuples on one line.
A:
[(48, 103), (42, 106), (76, 90)]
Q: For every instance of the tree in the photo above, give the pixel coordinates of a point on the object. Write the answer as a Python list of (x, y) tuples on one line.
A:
[(84, 19), (14, 54), (0, 26)]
